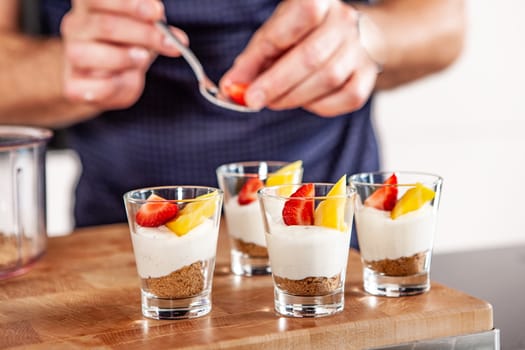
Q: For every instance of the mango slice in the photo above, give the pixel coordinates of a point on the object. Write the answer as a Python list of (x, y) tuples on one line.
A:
[(285, 175), (331, 212), (193, 214), (412, 200)]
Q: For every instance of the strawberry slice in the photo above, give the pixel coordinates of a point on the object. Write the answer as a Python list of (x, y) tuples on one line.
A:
[(249, 190), (155, 212), (385, 197), (236, 92), (299, 209)]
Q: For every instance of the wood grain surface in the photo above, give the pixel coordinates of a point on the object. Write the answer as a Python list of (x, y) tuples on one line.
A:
[(84, 293)]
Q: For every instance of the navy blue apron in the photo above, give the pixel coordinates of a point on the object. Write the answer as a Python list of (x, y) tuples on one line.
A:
[(173, 136)]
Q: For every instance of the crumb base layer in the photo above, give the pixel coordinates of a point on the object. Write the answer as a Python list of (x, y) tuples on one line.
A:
[(398, 277), (249, 259)]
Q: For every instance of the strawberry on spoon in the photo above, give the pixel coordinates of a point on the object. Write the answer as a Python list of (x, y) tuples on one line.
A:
[(236, 91)]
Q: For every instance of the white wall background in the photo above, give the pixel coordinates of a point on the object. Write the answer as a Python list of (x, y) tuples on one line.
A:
[(468, 125)]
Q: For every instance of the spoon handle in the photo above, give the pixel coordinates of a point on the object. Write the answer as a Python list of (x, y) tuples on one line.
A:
[(188, 55)]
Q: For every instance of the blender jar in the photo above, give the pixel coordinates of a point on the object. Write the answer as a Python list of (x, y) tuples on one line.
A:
[(22, 197)]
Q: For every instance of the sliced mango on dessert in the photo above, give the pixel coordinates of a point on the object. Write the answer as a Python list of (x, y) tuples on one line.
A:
[(285, 175), (412, 200), (193, 214), (331, 212)]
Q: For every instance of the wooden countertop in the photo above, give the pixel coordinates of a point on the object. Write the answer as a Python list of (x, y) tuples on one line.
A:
[(84, 293)]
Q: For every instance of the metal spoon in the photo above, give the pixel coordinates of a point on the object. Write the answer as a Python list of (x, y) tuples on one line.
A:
[(207, 88)]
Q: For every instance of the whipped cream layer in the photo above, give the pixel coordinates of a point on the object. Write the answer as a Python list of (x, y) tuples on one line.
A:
[(245, 222), (380, 237), (159, 252), (297, 252)]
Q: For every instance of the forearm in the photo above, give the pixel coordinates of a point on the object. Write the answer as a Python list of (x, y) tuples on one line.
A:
[(420, 36), (31, 84)]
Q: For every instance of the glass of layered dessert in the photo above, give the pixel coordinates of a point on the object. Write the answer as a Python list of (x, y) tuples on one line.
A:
[(174, 233), (240, 183), (308, 229), (396, 216)]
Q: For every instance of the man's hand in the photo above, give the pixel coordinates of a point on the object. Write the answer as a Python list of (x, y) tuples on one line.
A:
[(308, 54), (109, 45)]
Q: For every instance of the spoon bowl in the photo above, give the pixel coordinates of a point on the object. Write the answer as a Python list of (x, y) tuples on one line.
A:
[(207, 88)]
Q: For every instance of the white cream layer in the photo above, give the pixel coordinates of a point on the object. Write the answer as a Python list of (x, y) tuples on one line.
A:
[(159, 252), (297, 252), (245, 222), (380, 237)]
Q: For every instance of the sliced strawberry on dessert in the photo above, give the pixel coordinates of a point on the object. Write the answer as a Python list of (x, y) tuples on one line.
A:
[(385, 197), (236, 92), (299, 209), (249, 190), (156, 211)]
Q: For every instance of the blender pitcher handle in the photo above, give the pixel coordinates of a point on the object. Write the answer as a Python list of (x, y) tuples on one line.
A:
[(17, 214)]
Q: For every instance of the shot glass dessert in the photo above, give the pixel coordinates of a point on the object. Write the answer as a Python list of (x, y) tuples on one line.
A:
[(396, 217), (240, 183), (174, 233), (308, 234)]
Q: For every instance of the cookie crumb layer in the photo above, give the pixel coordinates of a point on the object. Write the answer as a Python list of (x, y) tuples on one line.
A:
[(404, 266), (309, 286), (250, 249), (186, 282)]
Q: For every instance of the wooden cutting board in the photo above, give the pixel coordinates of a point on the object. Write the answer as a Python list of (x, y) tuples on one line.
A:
[(84, 293)]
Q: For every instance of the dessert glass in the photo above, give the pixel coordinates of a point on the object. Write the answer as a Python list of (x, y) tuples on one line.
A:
[(244, 222), (175, 260), (396, 243), (308, 260)]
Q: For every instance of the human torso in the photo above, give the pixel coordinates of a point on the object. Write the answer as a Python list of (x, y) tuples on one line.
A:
[(173, 136)]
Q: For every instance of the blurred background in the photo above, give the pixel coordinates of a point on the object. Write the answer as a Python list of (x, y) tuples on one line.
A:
[(465, 124)]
